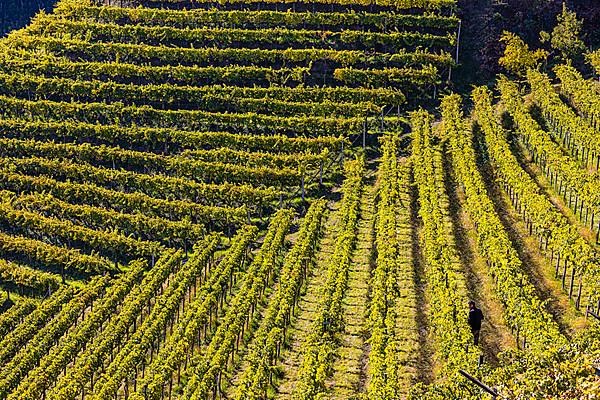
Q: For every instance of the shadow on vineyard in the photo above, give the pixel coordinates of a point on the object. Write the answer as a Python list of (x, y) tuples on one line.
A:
[(483, 22), (15, 14)]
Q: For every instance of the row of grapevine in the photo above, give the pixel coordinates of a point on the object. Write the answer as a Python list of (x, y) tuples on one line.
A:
[(166, 140), (387, 76), (393, 4), (393, 311), (94, 194), (53, 257), (110, 245), (582, 93), (379, 21), (575, 133), (25, 276), (581, 188), (283, 101), (284, 38), (319, 346), (446, 284), (298, 161), (211, 56), (196, 76), (148, 163), (556, 236), (139, 226), (127, 116), (158, 187)]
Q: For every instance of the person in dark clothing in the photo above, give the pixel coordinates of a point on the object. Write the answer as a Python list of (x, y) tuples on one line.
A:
[(475, 318)]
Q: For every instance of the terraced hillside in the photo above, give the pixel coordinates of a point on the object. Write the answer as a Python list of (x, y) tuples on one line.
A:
[(232, 200), (161, 132), (146, 152)]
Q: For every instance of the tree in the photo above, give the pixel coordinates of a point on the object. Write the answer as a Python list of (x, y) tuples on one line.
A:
[(517, 57), (565, 35)]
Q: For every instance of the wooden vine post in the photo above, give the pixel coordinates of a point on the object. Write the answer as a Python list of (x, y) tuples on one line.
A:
[(482, 385)]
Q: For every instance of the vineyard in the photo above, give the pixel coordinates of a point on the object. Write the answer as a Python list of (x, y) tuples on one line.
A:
[(268, 199)]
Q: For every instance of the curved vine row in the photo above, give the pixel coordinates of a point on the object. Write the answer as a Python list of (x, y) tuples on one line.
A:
[(263, 353), (565, 173), (134, 307), (206, 374), (577, 135), (525, 311)]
